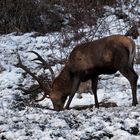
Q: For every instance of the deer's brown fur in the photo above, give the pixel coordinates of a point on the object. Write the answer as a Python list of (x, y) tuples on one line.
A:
[(86, 62), (104, 56)]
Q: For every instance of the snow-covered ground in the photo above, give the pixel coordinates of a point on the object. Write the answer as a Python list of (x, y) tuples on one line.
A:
[(34, 123)]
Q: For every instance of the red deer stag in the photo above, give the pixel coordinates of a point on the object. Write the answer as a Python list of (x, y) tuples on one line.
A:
[(86, 62)]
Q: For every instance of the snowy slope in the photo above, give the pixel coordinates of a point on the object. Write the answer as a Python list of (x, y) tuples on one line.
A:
[(31, 123)]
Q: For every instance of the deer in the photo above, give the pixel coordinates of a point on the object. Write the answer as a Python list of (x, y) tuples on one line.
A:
[(87, 61)]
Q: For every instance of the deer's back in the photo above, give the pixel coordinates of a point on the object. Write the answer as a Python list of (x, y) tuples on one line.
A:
[(103, 51)]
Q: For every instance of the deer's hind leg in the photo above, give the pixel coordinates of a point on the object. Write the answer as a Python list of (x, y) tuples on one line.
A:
[(132, 77), (94, 90)]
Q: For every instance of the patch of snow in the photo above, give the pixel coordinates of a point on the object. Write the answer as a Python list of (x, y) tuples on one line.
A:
[(34, 123)]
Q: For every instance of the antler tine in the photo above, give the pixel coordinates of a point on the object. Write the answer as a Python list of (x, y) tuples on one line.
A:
[(41, 99), (26, 92), (39, 58), (44, 64)]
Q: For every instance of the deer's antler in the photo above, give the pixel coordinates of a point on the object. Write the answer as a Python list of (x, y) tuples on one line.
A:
[(44, 64), (44, 86)]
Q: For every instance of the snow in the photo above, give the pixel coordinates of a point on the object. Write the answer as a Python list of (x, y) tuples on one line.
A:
[(36, 123)]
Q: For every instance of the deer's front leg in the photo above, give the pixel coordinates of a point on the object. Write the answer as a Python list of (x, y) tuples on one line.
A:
[(75, 85)]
